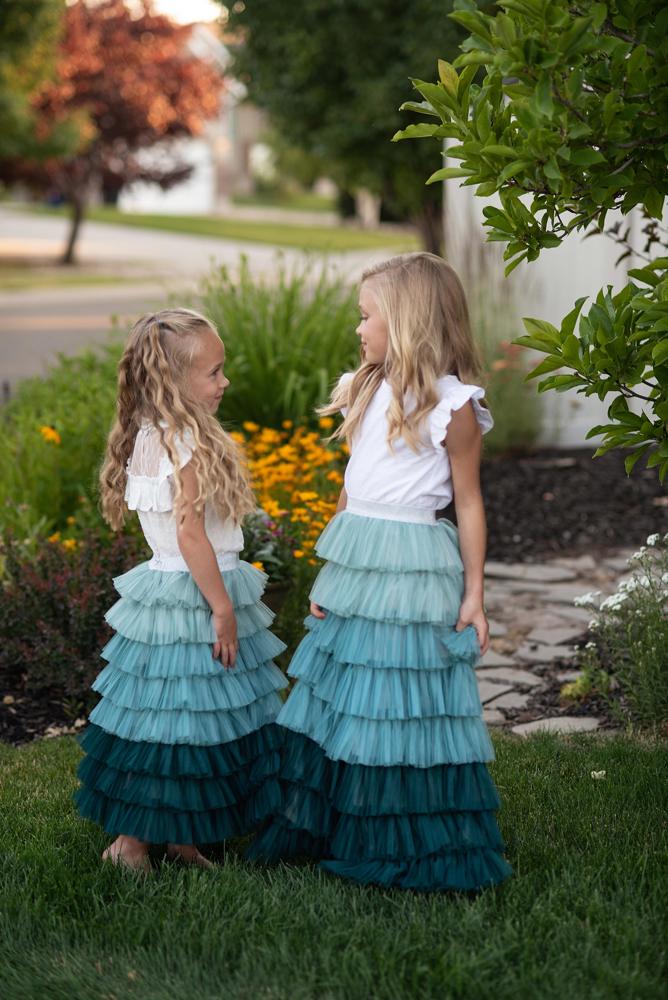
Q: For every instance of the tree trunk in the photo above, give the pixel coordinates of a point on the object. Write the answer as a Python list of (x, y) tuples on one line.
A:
[(429, 223), (78, 208)]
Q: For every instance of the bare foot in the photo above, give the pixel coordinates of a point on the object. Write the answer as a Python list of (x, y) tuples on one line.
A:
[(189, 854), (129, 853)]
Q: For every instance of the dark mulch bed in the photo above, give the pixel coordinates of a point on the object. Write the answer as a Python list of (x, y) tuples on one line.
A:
[(552, 503), (539, 505)]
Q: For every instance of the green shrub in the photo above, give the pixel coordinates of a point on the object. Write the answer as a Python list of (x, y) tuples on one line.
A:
[(286, 340), (630, 637), (52, 437), (52, 613)]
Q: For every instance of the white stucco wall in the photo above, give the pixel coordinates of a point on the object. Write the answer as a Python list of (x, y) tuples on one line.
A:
[(545, 289)]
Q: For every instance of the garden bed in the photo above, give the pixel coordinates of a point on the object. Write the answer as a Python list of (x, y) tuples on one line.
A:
[(539, 505)]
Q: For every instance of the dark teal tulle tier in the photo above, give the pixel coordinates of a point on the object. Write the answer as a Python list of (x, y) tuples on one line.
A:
[(180, 749), (185, 795), (384, 773), (405, 827)]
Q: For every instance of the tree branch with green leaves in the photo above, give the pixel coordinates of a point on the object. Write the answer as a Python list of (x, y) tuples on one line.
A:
[(561, 110)]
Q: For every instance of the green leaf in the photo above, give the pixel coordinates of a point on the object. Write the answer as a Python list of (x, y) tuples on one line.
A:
[(569, 321), (448, 76), (542, 330), (517, 167), (499, 150), (586, 157), (543, 96), (447, 173), (630, 460), (660, 352), (653, 202)]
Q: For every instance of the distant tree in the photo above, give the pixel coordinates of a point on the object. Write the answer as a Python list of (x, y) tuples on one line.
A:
[(130, 75), (331, 73), (28, 37)]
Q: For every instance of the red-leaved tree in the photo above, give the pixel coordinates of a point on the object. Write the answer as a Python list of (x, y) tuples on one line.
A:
[(131, 80)]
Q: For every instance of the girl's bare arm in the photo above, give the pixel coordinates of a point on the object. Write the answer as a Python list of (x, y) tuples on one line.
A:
[(198, 553), (464, 444)]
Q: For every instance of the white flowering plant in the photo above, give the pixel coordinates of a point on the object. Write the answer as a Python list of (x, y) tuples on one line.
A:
[(629, 638)]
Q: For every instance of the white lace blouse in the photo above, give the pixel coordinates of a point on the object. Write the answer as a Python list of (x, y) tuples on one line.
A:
[(150, 491)]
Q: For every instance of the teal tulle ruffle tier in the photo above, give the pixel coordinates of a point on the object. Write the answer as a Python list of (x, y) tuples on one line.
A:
[(405, 827), (151, 792), (179, 748), (383, 772)]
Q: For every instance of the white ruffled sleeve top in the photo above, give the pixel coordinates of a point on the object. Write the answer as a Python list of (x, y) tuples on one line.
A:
[(398, 475), (150, 491)]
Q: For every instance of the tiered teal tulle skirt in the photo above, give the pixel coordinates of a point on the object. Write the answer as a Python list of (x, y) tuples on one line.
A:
[(179, 749), (383, 769)]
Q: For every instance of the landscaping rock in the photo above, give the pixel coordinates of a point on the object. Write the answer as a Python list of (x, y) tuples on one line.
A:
[(534, 653), (507, 675), (555, 636), (558, 724), (489, 691), (494, 659), (536, 572), (513, 699), (492, 717)]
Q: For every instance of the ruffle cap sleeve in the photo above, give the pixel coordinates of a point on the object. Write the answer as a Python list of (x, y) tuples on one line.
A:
[(150, 483), (455, 394)]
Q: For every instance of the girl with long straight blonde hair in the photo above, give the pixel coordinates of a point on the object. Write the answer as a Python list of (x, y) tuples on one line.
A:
[(189, 696), (384, 767)]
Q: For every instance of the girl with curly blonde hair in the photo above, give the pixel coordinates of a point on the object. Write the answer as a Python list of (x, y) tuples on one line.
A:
[(175, 747)]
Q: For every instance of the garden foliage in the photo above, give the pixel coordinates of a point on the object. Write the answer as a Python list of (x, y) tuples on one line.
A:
[(561, 110)]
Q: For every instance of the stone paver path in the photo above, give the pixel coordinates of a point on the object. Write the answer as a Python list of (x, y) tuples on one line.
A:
[(533, 624)]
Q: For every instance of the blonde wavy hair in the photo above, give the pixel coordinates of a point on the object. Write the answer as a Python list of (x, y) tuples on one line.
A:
[(153, 386), (422, 303)]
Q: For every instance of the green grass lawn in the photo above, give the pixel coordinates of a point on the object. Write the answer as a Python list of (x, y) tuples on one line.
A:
[(302, 237), (584, 916), (303, 201)]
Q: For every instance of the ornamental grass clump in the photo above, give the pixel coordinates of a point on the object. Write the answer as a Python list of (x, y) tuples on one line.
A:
[(629, 644)]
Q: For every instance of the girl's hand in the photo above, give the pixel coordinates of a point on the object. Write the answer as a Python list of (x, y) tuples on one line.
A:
[(472, 613), (316, 610), (226, 645)]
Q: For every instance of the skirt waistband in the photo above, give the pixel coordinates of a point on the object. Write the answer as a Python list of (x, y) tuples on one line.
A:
[(177, 564), (390, 511)]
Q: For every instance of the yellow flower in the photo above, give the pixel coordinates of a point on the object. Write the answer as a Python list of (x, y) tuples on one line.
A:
[(71, 520), (50, 434), (249, 426), (55, 537), (258, 565), (313, 562), (70, 544), (326, 422), (298, 553), (287, 424)]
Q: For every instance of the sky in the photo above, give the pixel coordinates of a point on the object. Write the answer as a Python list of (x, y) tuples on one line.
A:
[(187, 11)]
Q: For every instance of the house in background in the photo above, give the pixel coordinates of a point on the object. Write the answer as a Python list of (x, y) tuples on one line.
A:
[(222, 157)]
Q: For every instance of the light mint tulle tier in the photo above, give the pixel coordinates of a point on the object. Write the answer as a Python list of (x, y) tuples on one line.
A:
[(223, 691), (159, 624), (390, 546), (189, 659), (422, 742), (388, 693), (161, 793), (387, 644), (183, 725), (400, 597), (245, 585)]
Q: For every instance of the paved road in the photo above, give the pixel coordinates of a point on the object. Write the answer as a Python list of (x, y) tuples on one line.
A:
[(37, 324)]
